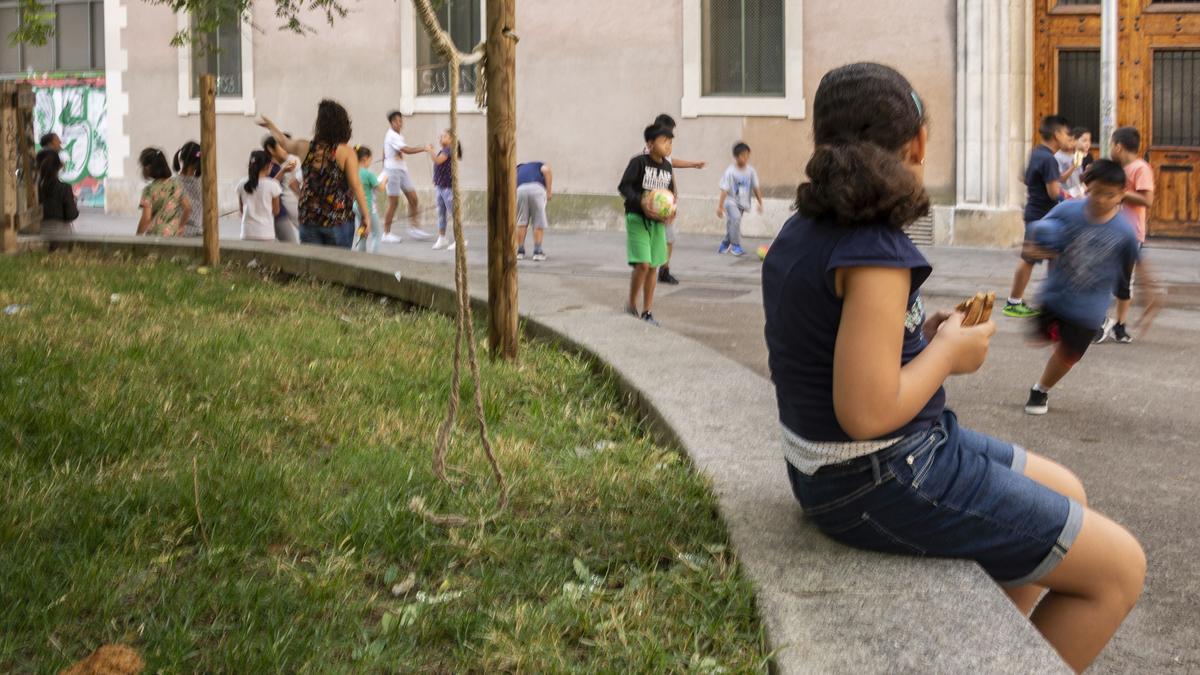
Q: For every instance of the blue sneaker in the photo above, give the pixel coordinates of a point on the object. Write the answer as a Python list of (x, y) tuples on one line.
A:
[(736, 250), (723, 247)]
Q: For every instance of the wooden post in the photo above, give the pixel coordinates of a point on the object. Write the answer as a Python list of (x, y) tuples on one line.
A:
[(208, 168), (9, 159), (502, 178)]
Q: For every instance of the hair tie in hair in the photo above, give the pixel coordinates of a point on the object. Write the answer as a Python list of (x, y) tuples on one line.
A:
[(917, 101)]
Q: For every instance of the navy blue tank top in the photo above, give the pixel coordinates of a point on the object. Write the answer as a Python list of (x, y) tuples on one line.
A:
[(803, 313)]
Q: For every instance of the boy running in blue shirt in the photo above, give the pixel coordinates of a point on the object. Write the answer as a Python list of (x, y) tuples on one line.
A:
[(1093, 247)]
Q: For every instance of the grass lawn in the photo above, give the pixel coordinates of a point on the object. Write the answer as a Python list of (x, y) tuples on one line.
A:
[(310, 413)]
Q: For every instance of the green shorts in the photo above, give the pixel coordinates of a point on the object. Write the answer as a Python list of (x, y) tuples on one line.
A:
[(646, 241)]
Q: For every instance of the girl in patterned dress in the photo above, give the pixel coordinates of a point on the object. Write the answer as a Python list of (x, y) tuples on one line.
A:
[(165, 207)]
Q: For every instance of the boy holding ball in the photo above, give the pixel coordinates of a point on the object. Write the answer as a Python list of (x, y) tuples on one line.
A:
[(645, 231)]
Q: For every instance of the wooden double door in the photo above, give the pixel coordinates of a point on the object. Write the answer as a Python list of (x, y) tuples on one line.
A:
[(1158, 90)]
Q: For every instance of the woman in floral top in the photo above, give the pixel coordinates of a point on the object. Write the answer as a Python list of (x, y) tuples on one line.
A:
[(165, 206), (331, 184)]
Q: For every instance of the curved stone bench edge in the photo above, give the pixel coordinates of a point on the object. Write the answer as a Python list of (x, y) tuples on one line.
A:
[(940, 616)]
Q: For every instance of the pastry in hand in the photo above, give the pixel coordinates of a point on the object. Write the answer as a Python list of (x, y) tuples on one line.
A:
[(977, 309)]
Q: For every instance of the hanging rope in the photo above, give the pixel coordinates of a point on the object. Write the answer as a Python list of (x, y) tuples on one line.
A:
[(465, 331)]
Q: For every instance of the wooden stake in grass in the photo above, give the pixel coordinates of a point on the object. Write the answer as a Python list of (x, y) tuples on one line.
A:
[(208, 168), (465, 327)]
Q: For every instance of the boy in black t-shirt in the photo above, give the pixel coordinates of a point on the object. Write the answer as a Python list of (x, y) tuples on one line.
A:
[(646, 238), (1043, 180)]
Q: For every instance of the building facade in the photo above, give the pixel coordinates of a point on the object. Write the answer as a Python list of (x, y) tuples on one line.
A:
[(591, 75)]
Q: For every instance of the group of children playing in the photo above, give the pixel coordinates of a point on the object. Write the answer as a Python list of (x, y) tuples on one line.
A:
[(268, 197), (650, 238), (1089, 218)]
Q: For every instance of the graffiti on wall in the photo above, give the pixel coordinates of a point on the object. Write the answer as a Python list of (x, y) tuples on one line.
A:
[(75, 109)]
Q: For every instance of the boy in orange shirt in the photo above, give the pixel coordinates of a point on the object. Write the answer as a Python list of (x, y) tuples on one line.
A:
[(1139, 197)]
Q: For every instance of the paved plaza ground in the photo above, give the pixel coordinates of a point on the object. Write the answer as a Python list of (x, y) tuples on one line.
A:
[(1126, 420)]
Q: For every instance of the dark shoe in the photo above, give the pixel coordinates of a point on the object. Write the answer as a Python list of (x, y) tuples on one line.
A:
[(1121, 335), (1038, 403), (649, 318), (665, 276), (632, 311)]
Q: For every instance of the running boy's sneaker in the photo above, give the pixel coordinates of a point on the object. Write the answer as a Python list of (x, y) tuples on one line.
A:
[(538, 255), (723, 247), (1038, 403), (632, 311), (418, 234), (1105, 331), (521, 253), (441, 243), (391, 238), (665, 276), (649, 318), (737, 250), (1020, 310), (1121, 335)]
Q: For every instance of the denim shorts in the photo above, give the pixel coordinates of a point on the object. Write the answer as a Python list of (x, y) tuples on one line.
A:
[(948, 492)]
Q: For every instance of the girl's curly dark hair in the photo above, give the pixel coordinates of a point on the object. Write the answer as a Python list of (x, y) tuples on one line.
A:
[(864, 114), (333, 124)]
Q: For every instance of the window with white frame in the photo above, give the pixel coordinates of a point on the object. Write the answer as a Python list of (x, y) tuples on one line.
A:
[(742, 47), (743, 57), (219, 53), (424, 74), (225, 53), (76, 45), (463, 20)]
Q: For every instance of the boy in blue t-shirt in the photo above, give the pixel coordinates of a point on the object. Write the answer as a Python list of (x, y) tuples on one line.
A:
[(1043, 181), (1093, 247)]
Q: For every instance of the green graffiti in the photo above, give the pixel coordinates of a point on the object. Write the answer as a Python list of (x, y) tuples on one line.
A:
[(77, 113)]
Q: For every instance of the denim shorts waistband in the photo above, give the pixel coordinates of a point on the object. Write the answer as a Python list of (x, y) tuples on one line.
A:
[(867, 463)]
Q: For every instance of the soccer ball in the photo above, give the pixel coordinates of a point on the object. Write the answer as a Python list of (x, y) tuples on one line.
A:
[(762, 252), (659, 205)]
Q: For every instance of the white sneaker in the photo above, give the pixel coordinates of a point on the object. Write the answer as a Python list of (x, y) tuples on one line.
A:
[(391, 238), (452, 245), (1105, 332), (418, 234), (441, 243)]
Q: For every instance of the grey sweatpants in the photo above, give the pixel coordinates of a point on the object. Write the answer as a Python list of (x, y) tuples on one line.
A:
[(531, 205), (733, 221)]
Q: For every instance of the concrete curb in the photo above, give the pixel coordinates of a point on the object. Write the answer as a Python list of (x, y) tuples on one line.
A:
[(827, 608)]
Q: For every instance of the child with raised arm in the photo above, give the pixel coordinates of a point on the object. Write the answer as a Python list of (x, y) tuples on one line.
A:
[(667, 122), (443, 183)]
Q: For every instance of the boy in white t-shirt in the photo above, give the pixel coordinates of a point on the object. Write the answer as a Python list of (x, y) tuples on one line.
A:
[(739, 183), (398, 180), (258, 197)]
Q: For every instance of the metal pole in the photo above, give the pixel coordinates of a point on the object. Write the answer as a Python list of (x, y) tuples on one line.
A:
[(1108, 74)]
